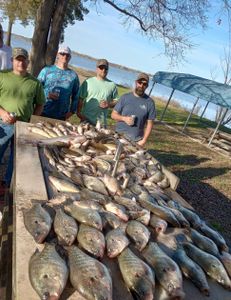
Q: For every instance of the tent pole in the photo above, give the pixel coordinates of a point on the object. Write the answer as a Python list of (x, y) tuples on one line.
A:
[(169, 99), (190, 114), (151, 88), (204, 110), (218, 125)]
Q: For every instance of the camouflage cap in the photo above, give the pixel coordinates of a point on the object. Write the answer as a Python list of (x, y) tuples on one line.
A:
[(102, 62), (19, 52), (143, 76)]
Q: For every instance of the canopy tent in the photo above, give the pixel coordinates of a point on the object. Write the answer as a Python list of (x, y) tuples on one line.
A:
[(209, 90)]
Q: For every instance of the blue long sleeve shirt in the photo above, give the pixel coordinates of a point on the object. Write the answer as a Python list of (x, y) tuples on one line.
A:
[(66, 82)]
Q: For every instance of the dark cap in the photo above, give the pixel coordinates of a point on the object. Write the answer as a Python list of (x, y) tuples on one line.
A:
[(102, 62), (20, 52), (143, 76)]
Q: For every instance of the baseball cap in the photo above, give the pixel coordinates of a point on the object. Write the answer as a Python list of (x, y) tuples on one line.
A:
[(19, 52), (64, 49), (102, 62), (143, 76)]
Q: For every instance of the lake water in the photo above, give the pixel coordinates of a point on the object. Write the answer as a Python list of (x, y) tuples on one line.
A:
[(127, 77)]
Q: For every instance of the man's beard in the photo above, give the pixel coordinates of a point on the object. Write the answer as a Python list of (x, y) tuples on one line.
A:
[(139, 91)]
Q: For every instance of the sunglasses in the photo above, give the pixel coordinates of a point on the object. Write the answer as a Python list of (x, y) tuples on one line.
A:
[(103, 68), (64, 54), (144, 83)]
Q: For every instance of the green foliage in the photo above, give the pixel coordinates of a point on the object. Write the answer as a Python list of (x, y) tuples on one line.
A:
[(20, 10), (75, 11)]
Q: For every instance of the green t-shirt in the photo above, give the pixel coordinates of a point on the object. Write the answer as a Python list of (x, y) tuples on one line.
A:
[(20, 94), (92, 91)]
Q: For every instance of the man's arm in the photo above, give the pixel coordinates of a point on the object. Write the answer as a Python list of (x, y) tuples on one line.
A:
[(74, 99), (79, 109), (147, 132), (38, 109), (120, 118)]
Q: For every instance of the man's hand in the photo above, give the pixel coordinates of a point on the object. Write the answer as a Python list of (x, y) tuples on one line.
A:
[(68, 115), (6, 117), (53, 96), (103, 104), (128, 120), (142, 142), (81, 117)]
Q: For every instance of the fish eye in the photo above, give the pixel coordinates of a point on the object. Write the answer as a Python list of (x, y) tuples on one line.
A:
[(45, 276), (36, 222), (45, 296)]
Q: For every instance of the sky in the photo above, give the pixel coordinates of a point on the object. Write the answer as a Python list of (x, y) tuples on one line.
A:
[(102, 35)]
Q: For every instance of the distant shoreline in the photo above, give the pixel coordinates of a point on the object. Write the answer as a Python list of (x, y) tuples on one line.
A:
[(86, 56)]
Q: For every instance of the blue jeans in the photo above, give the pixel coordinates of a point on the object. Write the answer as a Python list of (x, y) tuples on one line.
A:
[(6, 137)]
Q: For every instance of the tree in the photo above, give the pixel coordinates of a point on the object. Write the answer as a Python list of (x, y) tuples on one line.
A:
[(21, 10)]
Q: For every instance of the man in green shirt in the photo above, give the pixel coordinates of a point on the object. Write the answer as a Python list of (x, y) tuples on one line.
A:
[(96, 95), (21, 95)]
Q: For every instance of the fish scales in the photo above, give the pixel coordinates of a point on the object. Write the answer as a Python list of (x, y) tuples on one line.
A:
[(92, 240), (38, 222), (89, 276), (137, 275), (48, 273), (65, 228), (166, 270), (192, 270), (209, 263)]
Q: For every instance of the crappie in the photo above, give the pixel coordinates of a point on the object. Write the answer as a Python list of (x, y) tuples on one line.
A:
[(111, 219), (158, 224), (65, 228), (225, 258), (116, 242), (38, 222), (48, 273), (112, 185), (94, 184), (138, 233), (90, 204), (84, 215), (166, 270), (89, 276), (191, 270), (118, 210), (203, 242), (209, 263), (128, 203), (76, 177), (145, 218), (190, 215), (215, 236), (137, 275), (63, 185), (86, 194), (160, 211), (92, 240)]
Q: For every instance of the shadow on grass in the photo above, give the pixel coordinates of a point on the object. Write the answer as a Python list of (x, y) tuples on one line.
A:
[(198, 174), (211, 205), (173, 158)]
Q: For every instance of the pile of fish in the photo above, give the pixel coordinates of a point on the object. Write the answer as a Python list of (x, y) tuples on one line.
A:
[(108, 200)]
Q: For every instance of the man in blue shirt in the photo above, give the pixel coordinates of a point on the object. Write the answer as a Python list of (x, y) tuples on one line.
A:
[(61, 86), (135, 112)]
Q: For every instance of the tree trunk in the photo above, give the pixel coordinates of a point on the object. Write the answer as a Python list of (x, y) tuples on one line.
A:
[(55, 31), (9, 30), (40, 36)]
